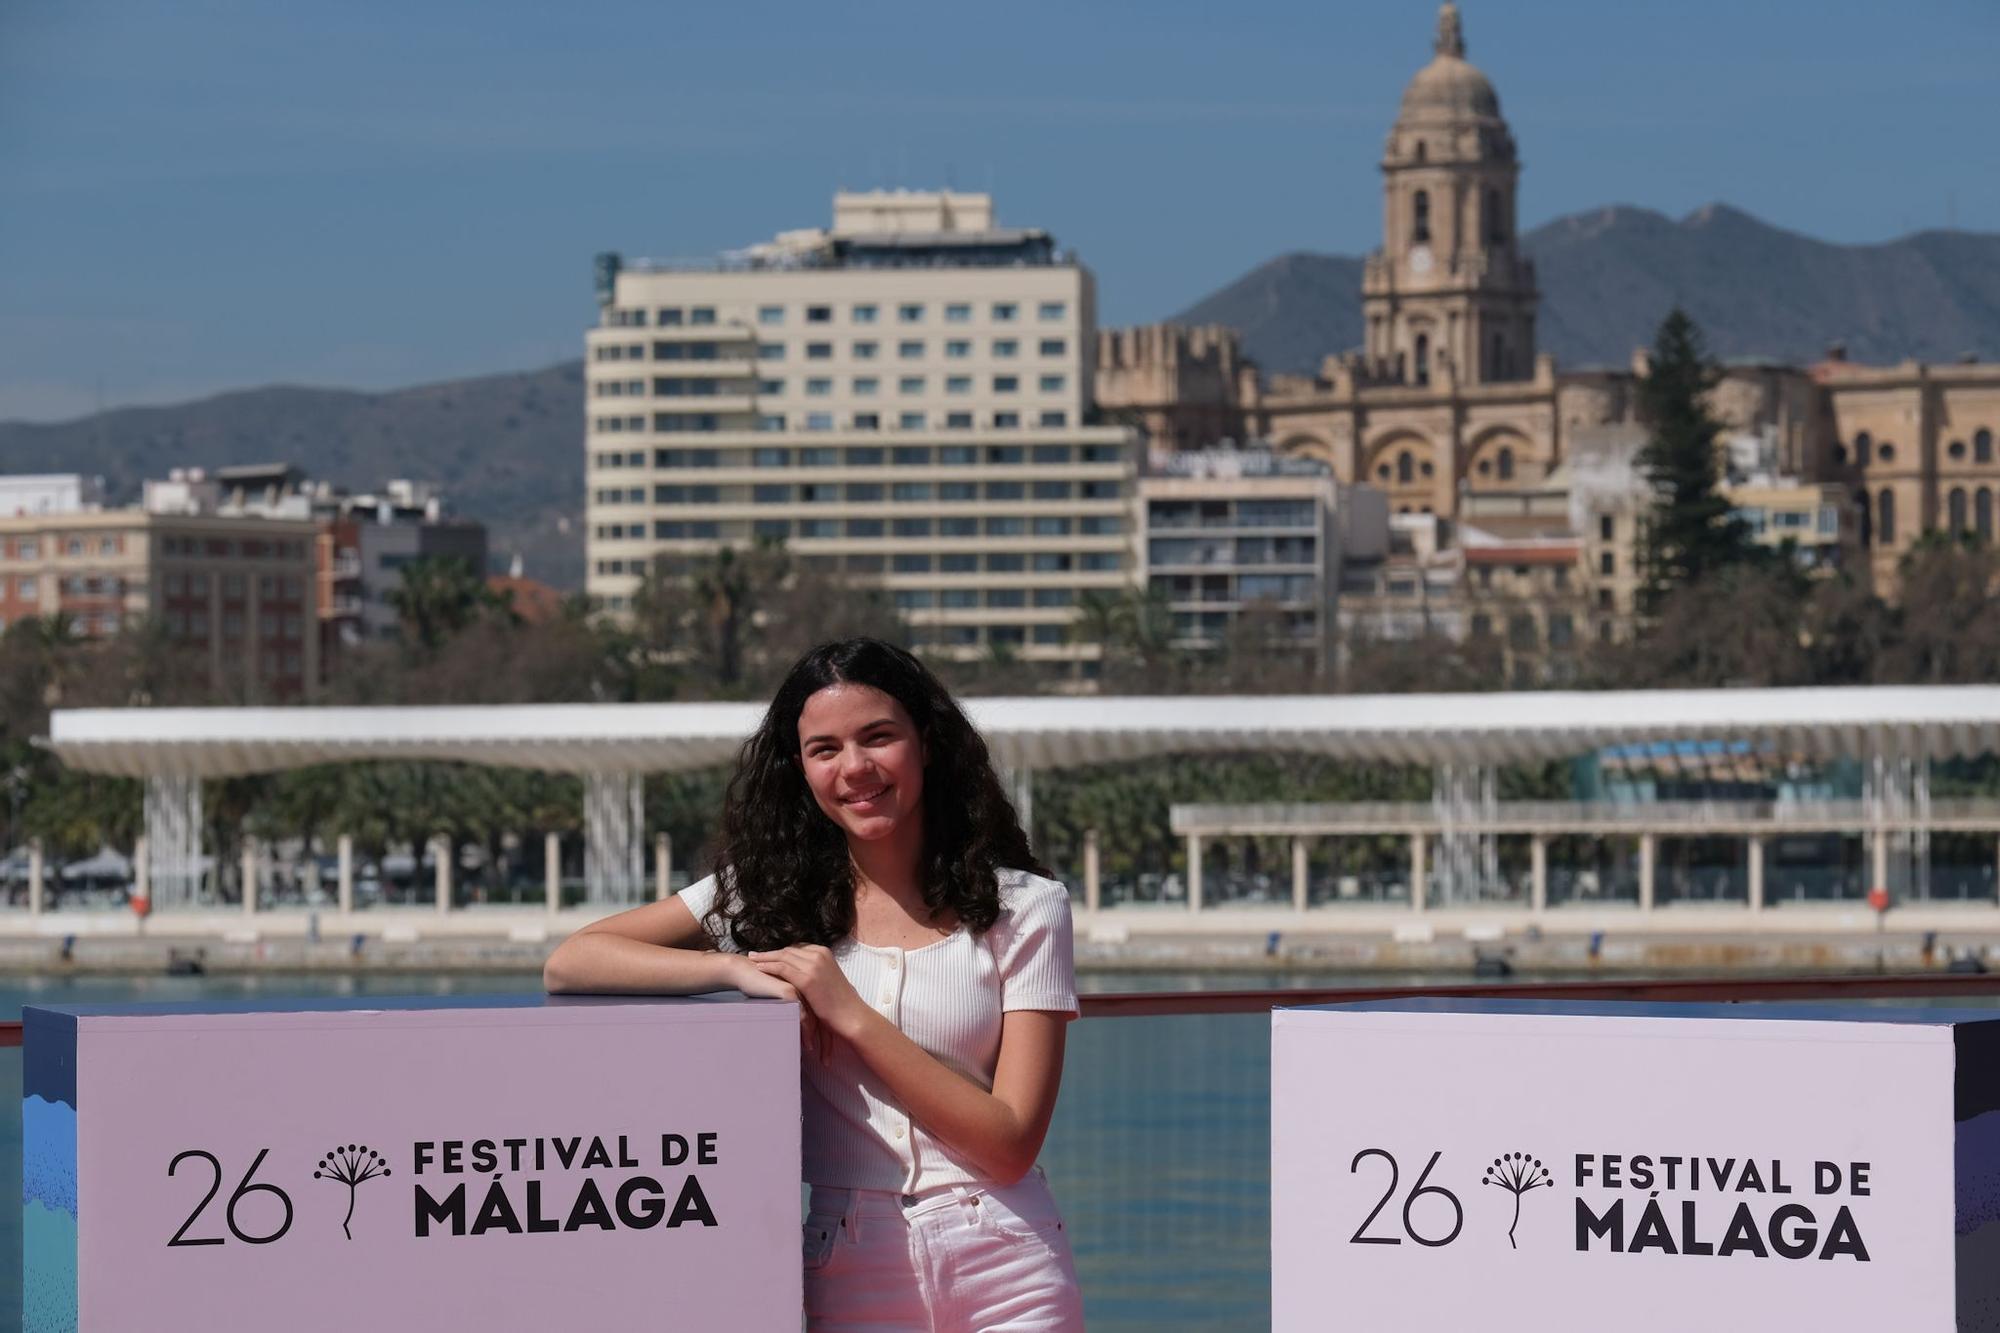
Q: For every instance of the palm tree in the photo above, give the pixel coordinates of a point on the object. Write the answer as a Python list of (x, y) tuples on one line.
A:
[(439, 596)]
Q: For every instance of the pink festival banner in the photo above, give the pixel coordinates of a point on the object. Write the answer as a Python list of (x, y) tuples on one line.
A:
[(499, 1163)]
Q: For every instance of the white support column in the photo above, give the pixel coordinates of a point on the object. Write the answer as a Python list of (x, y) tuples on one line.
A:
[(1419, 871), (37, 886), (663, 866), (1649, 846), (1301, 875), (1756, 875), (1194, 872), (1093, 883), (1880, 858), (250, 869), (1024, 800), (614, 849), (441, 854), (344, 855), (1538, 873), (142, 873), (173, 841), (552, 870)]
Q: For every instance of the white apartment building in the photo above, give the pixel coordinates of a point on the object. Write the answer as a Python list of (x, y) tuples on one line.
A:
[(903, 397), (1228, 531)]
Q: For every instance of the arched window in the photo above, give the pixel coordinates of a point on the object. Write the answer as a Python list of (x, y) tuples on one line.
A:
[(1496, 221), (1423, 358), (1885, 517), (1506, 464), (1864, 447), (1982, 446), (1406, 468), (1864, 514), (1955, 507), (1496, 367), (1420, 217), (1982, 515), (1956, 450), (1420, 150)]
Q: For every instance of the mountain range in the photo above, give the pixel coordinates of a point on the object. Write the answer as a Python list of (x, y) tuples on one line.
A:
[(508, 448), (1608, 276)]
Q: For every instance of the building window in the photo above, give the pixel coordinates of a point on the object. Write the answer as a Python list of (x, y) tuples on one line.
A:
[(1955, 506), (1982, 515), (770, 314), (1886, 451), (1606, 526), (910, 384), (1056, 418), (1955, 451), (818, 388), (1004, 312), (958, 384), (819, 351), (910, 314), (1406, 468), (1053, 383), (1051, 310), (1607, 563), (865, 385), (819, 421), (1506, 464), (1006, 420), (959, 312), (863, 314), (702, 314), (770, 388), (1006, 383), (819, 314), (1885, 515), (770, 351), (1496, 222), (1053, 346), (1046, 526), (957, 455), (958, 421), (1005, 348), (1982, 446), (1423, 358), (910, 527), (910, 420), (1420, 217), (864, 351), (910, 349)]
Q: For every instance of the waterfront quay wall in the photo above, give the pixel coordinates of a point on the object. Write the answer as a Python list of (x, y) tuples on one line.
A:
[(1809, 938)]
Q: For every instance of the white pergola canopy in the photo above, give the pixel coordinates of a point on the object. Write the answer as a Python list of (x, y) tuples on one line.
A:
[(1934, 722)]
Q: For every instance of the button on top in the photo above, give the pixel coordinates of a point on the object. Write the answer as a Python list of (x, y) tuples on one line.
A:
[(893, 961)]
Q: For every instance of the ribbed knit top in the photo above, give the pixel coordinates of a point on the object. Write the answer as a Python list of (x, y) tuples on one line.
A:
[(948, 997)]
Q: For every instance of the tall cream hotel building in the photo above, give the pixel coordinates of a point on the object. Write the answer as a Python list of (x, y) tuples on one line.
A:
[(903, 397)]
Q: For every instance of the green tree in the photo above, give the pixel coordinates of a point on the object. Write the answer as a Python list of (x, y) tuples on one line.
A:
[(439, 596), (1691, 531)]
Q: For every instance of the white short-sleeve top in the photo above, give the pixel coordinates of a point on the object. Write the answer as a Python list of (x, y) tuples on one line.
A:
[(947, 997)]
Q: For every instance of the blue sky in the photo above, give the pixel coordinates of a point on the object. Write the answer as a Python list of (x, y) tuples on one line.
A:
[(198, 195)]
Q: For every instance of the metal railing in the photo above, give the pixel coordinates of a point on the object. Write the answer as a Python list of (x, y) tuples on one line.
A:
[(1275, 818)]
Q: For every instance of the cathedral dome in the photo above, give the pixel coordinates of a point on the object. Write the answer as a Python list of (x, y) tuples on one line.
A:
[(1449, 88)]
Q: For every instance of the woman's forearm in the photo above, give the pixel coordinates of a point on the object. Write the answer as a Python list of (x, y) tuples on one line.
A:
[(603, 963), (999, 1138)]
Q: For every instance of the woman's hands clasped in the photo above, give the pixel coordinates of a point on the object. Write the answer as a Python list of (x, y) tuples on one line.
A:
[(812, 975)]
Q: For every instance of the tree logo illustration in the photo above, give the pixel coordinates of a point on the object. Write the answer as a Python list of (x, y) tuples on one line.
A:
[(1517, 1173), (350, 1166)]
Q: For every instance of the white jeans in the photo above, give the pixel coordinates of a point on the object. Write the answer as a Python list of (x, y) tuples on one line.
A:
[(962, 1259)]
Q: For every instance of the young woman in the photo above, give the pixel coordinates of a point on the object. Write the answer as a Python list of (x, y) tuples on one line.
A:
[(872, 868)]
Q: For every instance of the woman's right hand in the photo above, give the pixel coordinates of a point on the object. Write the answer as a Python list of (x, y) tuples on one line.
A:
[(761, 986)]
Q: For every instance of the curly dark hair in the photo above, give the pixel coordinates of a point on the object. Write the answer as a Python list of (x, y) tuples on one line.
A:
[(783, 872)]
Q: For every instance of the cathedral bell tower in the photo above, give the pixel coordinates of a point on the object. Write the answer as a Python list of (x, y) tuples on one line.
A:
[(1449, 293)]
